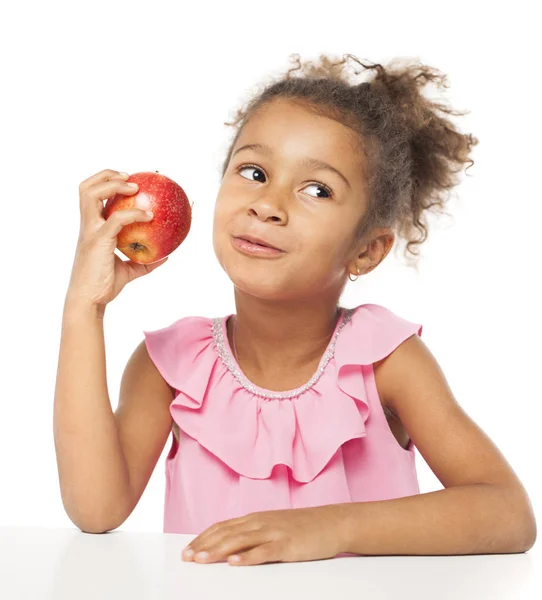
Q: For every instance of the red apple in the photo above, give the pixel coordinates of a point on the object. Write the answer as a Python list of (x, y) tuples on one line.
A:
[(147, 242)]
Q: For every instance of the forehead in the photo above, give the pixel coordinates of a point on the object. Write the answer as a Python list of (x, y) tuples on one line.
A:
[(294, 131)]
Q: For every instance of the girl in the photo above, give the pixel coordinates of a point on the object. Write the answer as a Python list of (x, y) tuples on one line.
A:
[(295, 420)]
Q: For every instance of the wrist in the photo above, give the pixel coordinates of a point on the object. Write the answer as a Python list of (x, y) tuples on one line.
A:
[(76, 308), (341, 518)]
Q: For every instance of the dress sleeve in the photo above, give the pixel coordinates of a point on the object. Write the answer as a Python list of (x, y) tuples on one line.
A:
[(373, 332), (177, 351)]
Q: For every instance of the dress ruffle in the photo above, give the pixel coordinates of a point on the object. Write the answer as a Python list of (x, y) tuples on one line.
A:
[(252, 434)]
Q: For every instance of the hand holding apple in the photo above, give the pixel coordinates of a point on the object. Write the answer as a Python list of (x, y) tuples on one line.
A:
[(98, 274), (150, 241)]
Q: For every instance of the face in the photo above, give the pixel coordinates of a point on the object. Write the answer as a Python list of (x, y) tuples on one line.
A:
[(308, 212)]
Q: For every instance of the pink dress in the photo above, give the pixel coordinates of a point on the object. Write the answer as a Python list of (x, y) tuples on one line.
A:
[(245, 449)]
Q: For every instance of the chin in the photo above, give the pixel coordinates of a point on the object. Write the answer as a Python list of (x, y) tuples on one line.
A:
[(259, 286)]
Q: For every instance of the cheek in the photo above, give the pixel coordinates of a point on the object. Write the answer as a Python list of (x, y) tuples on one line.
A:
[(327, 257), (326, 243), (219, 234), (221, 220)]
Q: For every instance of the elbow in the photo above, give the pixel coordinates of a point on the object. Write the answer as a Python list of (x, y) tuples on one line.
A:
[(522, 521), (529, 535), (84, 529), (511, 525), (524, 539), (92, 519), (528, 523), (94, 524)]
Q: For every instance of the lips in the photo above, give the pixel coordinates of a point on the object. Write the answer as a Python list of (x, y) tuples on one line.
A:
[(260, 241)]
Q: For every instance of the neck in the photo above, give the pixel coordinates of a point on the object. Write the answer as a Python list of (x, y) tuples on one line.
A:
[(272, 336)]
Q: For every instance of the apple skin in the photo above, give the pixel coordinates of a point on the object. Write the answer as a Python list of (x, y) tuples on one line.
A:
[(147, 242)]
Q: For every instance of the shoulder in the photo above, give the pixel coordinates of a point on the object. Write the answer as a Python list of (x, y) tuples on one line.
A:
[(145, 366), (185, 323), (412, 384), (177, 336), (388, 371), (373, 333), (179, 348)]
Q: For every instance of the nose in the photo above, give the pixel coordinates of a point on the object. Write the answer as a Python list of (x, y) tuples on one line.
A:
[(266, 209)]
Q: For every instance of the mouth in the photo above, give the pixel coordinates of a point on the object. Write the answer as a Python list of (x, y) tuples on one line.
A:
[(258, 242), (255, 248)]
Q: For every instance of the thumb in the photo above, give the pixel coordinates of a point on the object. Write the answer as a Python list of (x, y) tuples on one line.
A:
[(138, 269), (156, 264)]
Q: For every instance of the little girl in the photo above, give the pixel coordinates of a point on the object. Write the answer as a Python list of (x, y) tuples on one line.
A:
[(295, 420)]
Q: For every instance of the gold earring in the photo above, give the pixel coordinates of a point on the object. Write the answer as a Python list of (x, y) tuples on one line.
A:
[(351, 277)]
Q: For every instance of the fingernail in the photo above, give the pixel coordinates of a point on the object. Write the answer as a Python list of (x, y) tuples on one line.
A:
[(188, 552), (202, 555), (123, 174), (132, 184), (149, 213)]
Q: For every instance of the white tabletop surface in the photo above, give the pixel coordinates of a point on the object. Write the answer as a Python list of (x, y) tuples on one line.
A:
[(66, 564)]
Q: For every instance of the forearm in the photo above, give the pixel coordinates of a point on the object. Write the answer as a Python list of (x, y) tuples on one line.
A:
[(91, 466), (469, 519)]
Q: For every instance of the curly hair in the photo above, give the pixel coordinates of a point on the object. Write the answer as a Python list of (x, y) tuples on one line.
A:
[(409, 154)]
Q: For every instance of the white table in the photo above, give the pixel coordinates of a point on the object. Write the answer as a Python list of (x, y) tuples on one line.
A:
[(67, 564)]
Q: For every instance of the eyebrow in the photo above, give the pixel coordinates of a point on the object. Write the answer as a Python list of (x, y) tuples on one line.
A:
[(308, 162)]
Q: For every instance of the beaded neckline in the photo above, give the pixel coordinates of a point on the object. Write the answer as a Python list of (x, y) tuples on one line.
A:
[(223, 347)]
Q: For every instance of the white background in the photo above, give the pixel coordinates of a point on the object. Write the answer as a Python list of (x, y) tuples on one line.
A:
[(135, 86)]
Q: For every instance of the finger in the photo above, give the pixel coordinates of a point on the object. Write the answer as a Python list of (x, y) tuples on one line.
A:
[(104, 175), (230, 545), (121, 218), (265, 553), (92, 199), (210, 536), (220, 527), (219, 531)]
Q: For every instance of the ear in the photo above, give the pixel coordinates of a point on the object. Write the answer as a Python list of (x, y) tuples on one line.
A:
[(371, 253)]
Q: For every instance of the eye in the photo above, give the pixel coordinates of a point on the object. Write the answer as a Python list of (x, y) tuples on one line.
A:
[(320, 185), (245, 167)]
